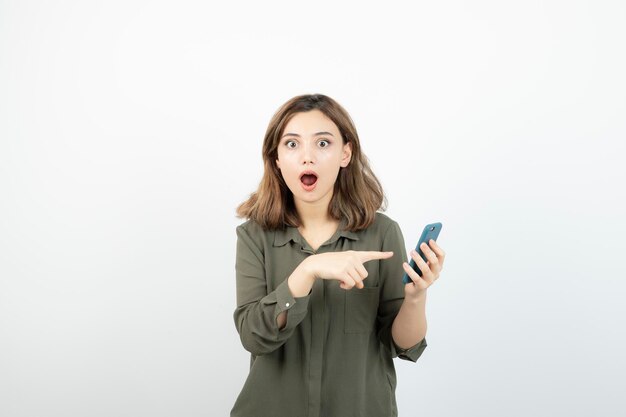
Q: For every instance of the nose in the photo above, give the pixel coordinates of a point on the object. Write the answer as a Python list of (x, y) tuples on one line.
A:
[(308, 154)]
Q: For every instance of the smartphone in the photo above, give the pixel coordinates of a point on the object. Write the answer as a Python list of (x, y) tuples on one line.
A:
[(431, 231)]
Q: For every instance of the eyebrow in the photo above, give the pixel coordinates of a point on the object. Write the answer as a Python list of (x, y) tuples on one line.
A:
[(316, 134)]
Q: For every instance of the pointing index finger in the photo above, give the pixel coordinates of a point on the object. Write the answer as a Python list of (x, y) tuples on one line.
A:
[(371, 255)]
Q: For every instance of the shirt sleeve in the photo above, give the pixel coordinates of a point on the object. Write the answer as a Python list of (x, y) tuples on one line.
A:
[(256, 312), (392, 294)]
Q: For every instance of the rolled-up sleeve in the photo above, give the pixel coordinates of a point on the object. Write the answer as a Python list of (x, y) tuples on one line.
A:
[(409, 354), (257, 310), (392, 294)]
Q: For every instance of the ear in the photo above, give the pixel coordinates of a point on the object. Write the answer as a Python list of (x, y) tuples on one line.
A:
[(278, 163), (346, 155)]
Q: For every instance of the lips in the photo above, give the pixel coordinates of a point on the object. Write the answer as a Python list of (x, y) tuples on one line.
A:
[(308, 179)]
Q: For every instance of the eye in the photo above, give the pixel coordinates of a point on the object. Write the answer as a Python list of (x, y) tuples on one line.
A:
[(288, 142), (325, 141)]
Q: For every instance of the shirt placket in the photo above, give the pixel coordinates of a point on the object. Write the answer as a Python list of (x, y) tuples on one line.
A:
[(318, 332), (317, 349)]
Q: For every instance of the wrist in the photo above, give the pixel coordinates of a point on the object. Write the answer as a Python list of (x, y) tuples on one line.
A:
[(307, 269), (300, 282), (417, 298)]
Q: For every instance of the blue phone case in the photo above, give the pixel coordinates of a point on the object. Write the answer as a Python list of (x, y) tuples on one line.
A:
[(431, 231)]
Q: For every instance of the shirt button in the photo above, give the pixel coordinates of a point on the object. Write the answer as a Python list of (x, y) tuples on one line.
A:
[(287, 305)]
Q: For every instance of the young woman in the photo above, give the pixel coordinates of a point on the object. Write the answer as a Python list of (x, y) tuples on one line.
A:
[(321, 305)]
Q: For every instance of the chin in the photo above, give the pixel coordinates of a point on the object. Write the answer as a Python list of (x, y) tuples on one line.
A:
[(314, 195)]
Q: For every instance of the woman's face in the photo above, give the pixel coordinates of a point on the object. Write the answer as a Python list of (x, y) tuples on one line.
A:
[(311, 142)]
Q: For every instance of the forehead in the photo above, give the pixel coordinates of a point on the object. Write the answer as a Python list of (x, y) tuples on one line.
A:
[(310, 122)]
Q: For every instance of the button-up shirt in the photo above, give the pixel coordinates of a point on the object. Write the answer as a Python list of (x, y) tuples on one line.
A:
[(334, 357)]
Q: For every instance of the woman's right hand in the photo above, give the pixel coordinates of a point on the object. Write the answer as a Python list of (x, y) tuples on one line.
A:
[(346, 267)]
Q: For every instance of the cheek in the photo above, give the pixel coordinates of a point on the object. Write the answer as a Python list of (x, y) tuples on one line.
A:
[(329, 162), (288, 162), (329, 157), (281, 161), (287, 170)]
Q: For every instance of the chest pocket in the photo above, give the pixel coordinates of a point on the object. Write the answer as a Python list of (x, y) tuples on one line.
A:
[(361, 308)]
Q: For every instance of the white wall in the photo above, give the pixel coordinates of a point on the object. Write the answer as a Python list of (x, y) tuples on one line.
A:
[(130, 131)]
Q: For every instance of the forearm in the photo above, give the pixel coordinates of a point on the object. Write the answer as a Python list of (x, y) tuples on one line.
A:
[(409, 326), (300, 283)]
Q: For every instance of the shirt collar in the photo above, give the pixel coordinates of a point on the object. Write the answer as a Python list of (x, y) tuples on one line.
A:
[(281, 237)]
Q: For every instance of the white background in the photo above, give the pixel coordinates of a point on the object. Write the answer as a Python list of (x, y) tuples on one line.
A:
[(130, 131)]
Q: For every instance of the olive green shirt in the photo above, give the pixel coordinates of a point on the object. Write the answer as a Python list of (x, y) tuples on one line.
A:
[(334, 357)]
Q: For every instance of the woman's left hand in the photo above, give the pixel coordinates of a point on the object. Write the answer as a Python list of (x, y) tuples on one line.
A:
[(430, 270)]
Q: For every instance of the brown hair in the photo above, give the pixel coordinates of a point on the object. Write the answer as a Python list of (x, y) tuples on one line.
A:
[(357, 194)]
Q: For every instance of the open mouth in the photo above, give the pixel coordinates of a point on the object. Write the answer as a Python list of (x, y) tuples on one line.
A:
[(308, 178)]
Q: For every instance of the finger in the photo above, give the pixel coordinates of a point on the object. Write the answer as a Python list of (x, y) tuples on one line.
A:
[(360, 269), (441, 255), (347, 282), (437, 249), (365, 256), (423, 266), (430, 255), (417, 280), (356, 277)]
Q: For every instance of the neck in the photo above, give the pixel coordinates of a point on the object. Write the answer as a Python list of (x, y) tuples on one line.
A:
[(315, 214)]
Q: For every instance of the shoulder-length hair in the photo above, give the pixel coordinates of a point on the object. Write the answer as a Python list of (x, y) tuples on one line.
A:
[(357, 194)]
